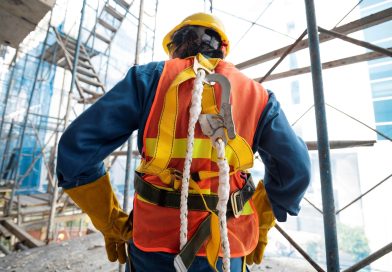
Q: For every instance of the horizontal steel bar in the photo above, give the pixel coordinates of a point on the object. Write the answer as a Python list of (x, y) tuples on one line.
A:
[(326, 65), (357, 42), (371, 258), (363, 23), (299, 249)]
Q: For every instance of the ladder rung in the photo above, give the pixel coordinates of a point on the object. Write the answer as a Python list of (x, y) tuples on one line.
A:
[(112, 11), (123, 4), (86, 72), (84, 64), (106, 25), (94, 94), (82, 55), (90, 81), (88, 100), (70, 45), (62, 62), (102, 38), (80, 62), (67, 39)]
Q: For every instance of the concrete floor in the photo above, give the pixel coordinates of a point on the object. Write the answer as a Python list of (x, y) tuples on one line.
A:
[(88, 254)]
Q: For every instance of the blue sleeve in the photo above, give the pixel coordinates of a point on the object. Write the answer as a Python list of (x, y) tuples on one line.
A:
[(286, 160), (107, 124)]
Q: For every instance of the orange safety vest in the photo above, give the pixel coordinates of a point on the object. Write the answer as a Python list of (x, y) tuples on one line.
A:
[(156, 228)]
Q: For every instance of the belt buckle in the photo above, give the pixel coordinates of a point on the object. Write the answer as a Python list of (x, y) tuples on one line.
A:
[(176, 179), (235, 206)]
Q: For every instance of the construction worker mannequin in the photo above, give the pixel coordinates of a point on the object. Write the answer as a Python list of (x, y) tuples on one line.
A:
[(199, 122)]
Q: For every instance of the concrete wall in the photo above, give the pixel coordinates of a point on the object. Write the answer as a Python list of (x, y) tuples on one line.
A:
[(19, 17)]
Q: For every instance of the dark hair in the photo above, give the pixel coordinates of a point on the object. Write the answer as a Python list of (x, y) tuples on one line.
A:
[(191, 40)]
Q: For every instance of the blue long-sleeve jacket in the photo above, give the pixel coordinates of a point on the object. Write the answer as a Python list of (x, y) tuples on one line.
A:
[(111, 120)]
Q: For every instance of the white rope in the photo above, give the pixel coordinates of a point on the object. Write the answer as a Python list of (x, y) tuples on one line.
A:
[(223, 194), (194, 112), (224, 176)]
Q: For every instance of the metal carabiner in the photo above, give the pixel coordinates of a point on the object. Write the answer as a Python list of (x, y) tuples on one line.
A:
[(213, 125)]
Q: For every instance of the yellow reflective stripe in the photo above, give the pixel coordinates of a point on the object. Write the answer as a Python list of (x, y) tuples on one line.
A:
[(213, 244), (238, 152), (210, 64), (247, 209), (201, 148), (167, 126), (240, 155), (208, 100)]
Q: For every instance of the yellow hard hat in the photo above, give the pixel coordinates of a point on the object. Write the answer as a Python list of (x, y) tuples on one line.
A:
[(199, 19)]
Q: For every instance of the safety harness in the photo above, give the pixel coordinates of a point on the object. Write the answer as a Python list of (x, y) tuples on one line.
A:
[(231, 149)]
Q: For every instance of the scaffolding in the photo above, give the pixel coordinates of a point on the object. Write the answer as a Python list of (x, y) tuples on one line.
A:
[(29, 136)]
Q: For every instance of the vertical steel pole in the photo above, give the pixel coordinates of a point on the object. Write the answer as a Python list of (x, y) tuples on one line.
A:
[(66, 118), (127, 175), (107, 64), (139, 32), (155, 28), (52, 159), (75, 65), (129, 150), (331, 243), (130, 142), (6, 148), (17, 181), (7, 94)]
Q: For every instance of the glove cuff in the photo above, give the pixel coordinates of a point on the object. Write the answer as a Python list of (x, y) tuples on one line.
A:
[(98, 201)]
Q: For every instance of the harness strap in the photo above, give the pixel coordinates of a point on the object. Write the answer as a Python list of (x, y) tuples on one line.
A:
[(167, 123), (172, 199), (186, 256)]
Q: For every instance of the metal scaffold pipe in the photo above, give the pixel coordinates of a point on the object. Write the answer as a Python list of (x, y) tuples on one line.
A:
[(6, 97), (129, 142), (19, 152), (139, 32), (127, 175), (331, 243), (66, 119), (75, 65)]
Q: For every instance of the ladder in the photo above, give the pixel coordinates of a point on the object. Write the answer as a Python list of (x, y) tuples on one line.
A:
[(87, 81), (109, 21), (61, 53)]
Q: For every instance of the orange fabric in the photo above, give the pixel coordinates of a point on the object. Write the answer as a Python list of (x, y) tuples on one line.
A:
[(157, 228)]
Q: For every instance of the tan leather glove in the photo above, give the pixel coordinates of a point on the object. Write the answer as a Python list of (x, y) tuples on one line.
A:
[(98, 201), (266, 222)]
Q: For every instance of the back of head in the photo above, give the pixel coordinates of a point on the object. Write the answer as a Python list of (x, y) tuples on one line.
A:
[(198, 33)]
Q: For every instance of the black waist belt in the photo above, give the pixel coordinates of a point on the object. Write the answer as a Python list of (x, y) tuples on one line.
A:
[(172, 199)]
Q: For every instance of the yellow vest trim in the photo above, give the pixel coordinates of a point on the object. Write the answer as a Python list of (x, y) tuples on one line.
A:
[(167, 126), (166, 146), (201, 148), (168, 119)]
